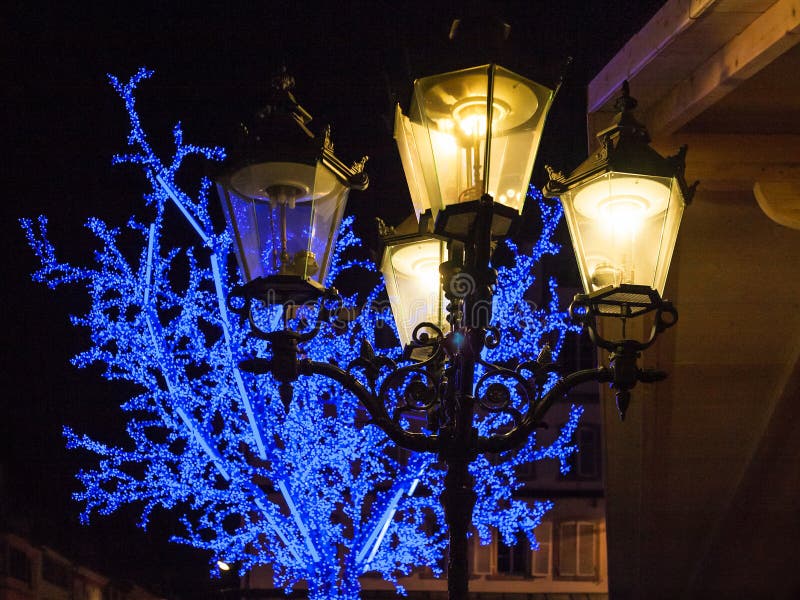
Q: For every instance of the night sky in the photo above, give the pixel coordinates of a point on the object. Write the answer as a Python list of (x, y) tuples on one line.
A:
[(212, 62)]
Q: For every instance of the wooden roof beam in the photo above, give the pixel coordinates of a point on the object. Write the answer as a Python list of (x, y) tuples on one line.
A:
[(666, 25), (729, 162), (766, 38), (766, 164)]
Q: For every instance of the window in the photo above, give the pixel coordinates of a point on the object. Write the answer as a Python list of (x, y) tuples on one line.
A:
[(55, 572), (578, 352), (588, 458), (585, 463), (526, 471), (577, 550), (481, 558), (543, 557), (513, 560), (19, 564)]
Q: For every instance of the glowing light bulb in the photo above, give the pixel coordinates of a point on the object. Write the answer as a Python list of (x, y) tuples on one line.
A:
[(416, 293), (623, 215), (470, 114)]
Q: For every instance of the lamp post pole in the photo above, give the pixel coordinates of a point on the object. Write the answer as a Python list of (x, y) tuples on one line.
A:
[(449, 382), (468, 316)]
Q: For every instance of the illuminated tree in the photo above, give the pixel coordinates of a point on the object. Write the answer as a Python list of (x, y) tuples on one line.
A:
[(307, 490)]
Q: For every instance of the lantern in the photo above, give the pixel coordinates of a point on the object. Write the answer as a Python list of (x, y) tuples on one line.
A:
[(283, 195), (410, 267), (470, 133), (623, 207)]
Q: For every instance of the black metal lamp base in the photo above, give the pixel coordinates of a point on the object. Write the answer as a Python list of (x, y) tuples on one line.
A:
[(622, 301), (283, 289), (457, 221)]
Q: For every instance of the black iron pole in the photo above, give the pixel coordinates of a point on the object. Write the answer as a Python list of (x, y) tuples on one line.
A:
[(458, 447), (458, 451), (458, 500)]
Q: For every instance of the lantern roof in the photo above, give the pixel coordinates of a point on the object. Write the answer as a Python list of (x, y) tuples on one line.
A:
[(280, 132), (624, 147)]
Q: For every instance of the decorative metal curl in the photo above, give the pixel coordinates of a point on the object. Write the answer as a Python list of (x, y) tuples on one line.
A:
[(371, 363), (238, 293), (419, 337), (497, 397), (325, 312), (540, 369), (421, 394), (493, 337)]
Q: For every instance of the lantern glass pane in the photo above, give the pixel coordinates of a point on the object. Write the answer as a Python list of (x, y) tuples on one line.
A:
[(623, 227), (284, 218), (459, 119), (411, 160), (239, 215), (411, 272), (330, 199), (669, 236)]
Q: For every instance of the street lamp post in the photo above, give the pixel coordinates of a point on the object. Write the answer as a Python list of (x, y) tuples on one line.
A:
[(623, 207), (467, 146)]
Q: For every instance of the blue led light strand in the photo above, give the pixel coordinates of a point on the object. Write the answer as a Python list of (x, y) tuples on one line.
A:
[(308, 492)]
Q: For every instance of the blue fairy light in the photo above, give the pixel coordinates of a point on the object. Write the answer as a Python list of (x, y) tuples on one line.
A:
[(309, 492)]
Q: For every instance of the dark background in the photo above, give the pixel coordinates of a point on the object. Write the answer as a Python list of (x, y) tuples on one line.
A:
[(212, 62)]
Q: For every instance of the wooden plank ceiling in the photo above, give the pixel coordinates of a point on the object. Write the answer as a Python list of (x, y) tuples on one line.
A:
[(703, 479)]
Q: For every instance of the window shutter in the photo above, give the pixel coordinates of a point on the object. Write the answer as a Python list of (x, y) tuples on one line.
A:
[(568, 549), (482, 560), (588, 453), (542, 557), (586, 549)]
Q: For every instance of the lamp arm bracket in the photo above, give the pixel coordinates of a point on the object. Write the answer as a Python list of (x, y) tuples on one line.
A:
[(407, 439), (535, 414)]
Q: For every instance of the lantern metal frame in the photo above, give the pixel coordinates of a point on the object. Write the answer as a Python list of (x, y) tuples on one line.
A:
[(443, 389), (624, 147), (279, 134), (390, 239)]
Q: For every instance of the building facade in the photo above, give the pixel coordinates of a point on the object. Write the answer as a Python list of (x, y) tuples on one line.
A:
[(29, 572)]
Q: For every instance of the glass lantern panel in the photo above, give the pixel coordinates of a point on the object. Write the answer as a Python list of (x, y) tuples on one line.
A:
[(240, 217), (284, 218), (411, 160), (510, 166), (669, 236), (619, 224), (330, 200), (411, 272), (282, 226), (459, 119)]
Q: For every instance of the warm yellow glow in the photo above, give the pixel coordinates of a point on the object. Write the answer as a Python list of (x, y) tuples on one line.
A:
[(413, 284), (622, 215), (444, 141), (633, 195), (223, 566), (470, 114), (420, 262), (620, 207)]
